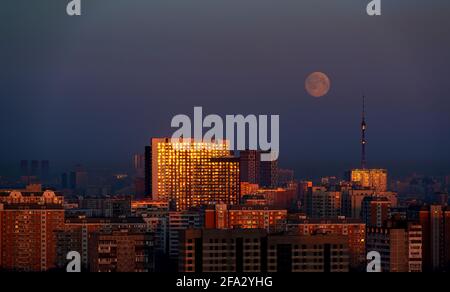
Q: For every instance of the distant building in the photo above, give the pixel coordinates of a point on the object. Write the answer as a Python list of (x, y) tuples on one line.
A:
[(285, 177), (76, 180), (139, 165), (24, 168), (353, 230), (222, 216), (193, 174), (139, 188), (118, 206), (302, 190), (156, 216), (375, 211), (255, 200), (323, 203), (279, 197), (34, 171), (376, 179), (248, 188)]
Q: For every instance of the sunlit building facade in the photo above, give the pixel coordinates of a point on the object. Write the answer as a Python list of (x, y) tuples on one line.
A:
[(370, 178), (250, 166), (191, 174), (353, 230), (222, 216), (28, 221)]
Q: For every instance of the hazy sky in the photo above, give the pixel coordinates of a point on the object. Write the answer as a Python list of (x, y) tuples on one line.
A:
[(94, 89)]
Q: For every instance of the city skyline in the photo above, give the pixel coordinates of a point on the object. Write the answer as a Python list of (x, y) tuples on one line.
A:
[(224, 137), (101, 112)]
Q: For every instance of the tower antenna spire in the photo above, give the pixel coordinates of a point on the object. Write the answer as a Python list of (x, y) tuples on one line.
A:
[(363, 133)]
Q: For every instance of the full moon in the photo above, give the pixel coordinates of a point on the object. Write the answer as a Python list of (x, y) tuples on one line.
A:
[(317, 84)]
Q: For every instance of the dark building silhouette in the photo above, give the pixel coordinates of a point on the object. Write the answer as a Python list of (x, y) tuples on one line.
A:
[(250, 166), (73, 180), (285, 177), (269, 174), (35, 168), (148, 171), (64, 181), (24, 168), (45, 170)]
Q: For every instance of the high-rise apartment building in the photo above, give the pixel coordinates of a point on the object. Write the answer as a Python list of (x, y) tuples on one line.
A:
[(323, 203), (352, 229), (376, 179), (352, 200), (148, 172), (250, 161), (253, 250), (375, 211), (28, 224), (285, 177), (435, 222), (156, 216), (121, 251), (110, 206), (30, 171), (178, 222), (279, 197), (192, 174), (76, 235), (399, 244), (24, 168)]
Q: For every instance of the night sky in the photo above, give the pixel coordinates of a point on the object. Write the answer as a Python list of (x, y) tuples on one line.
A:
[(94, 89)]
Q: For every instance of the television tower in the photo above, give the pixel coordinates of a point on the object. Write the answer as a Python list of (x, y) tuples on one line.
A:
[(363, 135)]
